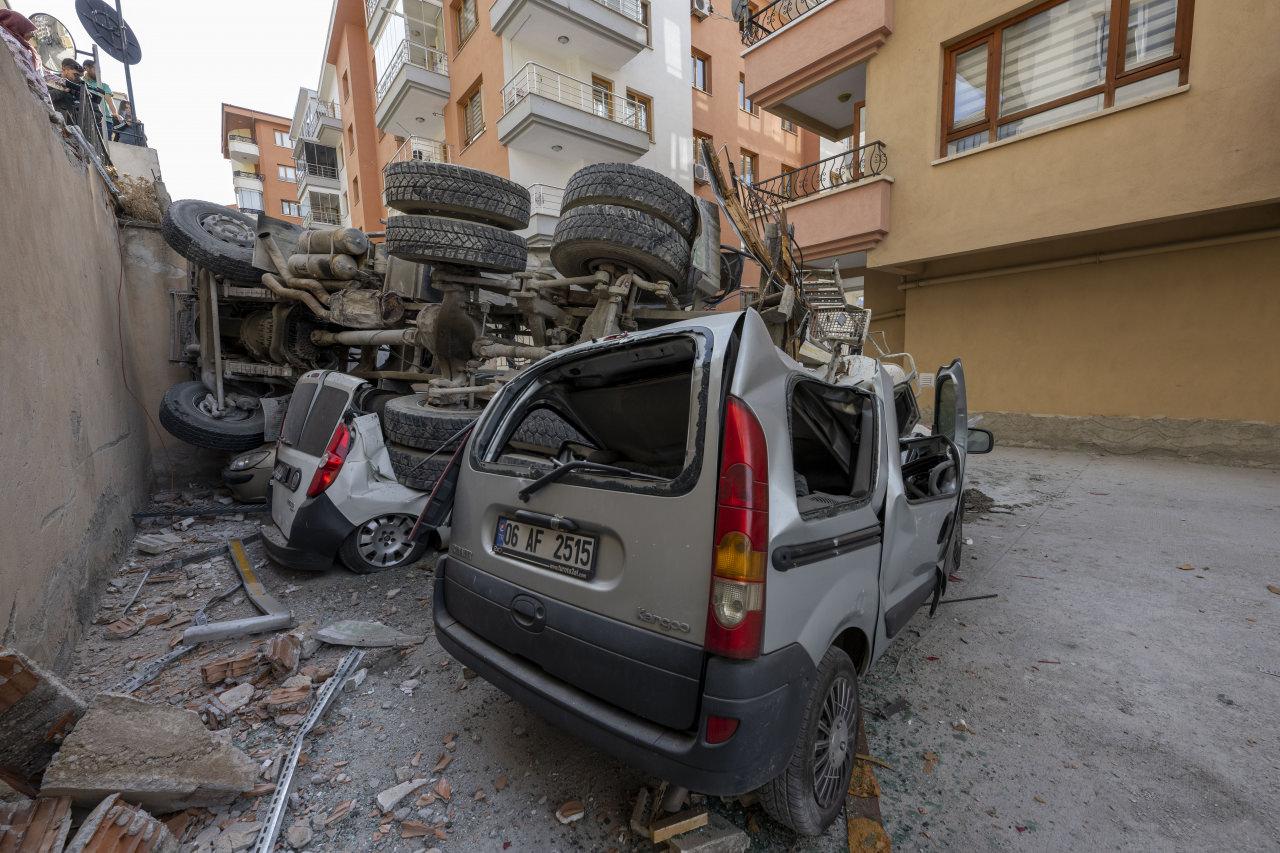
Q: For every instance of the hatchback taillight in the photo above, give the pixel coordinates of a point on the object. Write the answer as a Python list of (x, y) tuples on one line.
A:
[(334, 455), (735, 617)]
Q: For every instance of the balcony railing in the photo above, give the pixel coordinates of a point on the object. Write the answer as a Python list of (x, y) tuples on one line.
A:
[(774, 17), (545, 199), (411, 53), (240, 136), (418, 148), (371, 6), (534, 79), (627, 8), (320, 217), (317, 110), (847, 167), (238, 173), (317, 170)]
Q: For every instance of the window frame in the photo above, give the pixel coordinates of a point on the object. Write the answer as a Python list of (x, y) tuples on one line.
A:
[(645, 101), (745, 104), (1115, 75), (696, 56), (285, 134), (602, 90), (746, 155), (789, 126), (474, 95), (291, 208), (464, 34)]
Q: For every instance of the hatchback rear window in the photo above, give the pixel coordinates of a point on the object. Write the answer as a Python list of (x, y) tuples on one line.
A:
[(296, 415), (330, 403), (638, 408)]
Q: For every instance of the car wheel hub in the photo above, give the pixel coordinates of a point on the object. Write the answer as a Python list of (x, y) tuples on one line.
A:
[(833, 746), (385, 541)]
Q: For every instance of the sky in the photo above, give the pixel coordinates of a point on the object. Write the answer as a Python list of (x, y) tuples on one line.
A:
[(196, 54)]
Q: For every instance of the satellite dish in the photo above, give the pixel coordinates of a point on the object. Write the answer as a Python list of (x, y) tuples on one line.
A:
[(104, 25), (53, 41)]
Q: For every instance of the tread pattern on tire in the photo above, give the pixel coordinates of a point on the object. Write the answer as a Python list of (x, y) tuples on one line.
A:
[(545, 428), (246, 435), (442, 189), (184, 235), (434, 239), (413, 469), (788, 798), (410, 422), (636, 187), (606, 232)]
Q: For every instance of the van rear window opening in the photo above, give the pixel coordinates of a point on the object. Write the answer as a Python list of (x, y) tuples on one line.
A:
[(833, 446), (638, 407)]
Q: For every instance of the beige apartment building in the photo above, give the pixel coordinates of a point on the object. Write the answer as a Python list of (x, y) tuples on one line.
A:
[(1079, 197), (262, 169)]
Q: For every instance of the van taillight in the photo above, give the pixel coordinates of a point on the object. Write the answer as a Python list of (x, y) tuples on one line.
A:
[(735, 617), (334, 455)]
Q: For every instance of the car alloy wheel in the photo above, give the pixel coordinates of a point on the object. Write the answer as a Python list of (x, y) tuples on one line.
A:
[(833, 747), (384, 542)]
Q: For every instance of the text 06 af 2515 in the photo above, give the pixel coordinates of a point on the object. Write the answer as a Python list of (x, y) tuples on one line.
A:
[(571, 554)]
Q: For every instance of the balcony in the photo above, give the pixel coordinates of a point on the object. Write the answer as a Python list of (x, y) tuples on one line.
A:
[(316, 175), (417, 148), (323, 123), (413, 89), (805, 59), (241, 147), (607, 33), (839, 205), (246, 180), (544, 213), (553, 115), (321, 218), (375, 12)]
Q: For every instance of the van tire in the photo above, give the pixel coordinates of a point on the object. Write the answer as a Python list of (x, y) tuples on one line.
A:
[(591, 234), (218, 238), (790, 797), (441, 189), (412, 422), (636, 187), (351, 549), (436, 240), (414, 469), (181, 415)]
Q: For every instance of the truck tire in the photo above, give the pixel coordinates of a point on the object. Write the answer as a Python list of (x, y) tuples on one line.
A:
[(635, 187), (182, 416), (434, 240), (379, 544), (592, 234), (803, 797), (418, 469), (412, 422), (212, 236), (441, 189), (544, 428)]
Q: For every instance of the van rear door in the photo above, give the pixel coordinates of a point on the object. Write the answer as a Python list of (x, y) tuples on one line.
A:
[(599, 573)]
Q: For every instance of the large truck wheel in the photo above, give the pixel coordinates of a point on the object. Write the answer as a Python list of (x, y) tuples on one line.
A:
[(413, 422), (185, 414), (636, 187), (594, 234), (442, 189), (215, 237), (433, 239)]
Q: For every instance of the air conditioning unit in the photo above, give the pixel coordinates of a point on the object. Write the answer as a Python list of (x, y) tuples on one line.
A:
[(701, 174), (701, 8)]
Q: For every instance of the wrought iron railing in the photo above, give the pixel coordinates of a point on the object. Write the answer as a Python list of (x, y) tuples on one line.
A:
[(411, 53), (318, 170), (370, 6), (240, 173), (317, 111), (847, 167), (241, 136), (774, 17), (418, 148), (545, 199), (628, 8), (535, 79)]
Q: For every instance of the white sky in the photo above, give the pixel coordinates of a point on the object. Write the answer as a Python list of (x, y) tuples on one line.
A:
[(197, 54)]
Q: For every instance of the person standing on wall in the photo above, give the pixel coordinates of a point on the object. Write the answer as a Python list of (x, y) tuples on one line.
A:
[(108, 105)]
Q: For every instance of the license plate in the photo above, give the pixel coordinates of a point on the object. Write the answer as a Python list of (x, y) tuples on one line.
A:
[(286, 475), (572, 554)]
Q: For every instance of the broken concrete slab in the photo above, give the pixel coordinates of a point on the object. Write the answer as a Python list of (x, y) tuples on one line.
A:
[(157, 756), (236, 698), (236, 837), (718, 836), (157, 543), (283, 653), (365, 635), (117, 826), (388, 799), (36, 712), (35, 826)]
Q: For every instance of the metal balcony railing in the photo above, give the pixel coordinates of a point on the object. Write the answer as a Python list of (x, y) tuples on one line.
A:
[(534, 79), (628, 8), (320, 217), (411, 53), (847, 167), (774, 17), (317, 170), (418, 148), (370, 6), (241, 136), (316, 111), (239, 173), (545, 199)]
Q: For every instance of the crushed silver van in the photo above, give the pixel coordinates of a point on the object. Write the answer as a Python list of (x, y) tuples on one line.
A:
[(697, 583)]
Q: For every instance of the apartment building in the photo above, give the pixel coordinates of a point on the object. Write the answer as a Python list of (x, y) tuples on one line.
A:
[(261, 154), (1080, 197)]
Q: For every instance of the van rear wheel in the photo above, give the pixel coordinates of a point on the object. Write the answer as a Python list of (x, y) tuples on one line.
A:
[(810, 792), (380, 544)]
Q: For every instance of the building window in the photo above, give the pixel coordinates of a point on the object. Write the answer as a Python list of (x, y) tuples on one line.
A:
[(701, 71), (646, 18), (744, 103), (287, 173), (472, 117), (1058, 61), (788, 125), (602, 96), (346, 87), (640, 112), (351, 138), (355, 189), (282, 139), (249, 199), (748, 164), (465, 12), (291, 208)]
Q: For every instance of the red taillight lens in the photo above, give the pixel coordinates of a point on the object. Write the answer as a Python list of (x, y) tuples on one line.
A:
[(735, 614), (334, 455), (720, 729)]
